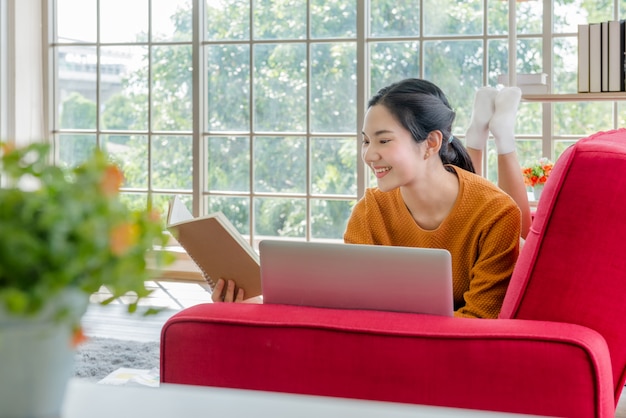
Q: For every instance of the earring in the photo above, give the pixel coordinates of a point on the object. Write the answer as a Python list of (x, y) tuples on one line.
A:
[(426, 155)]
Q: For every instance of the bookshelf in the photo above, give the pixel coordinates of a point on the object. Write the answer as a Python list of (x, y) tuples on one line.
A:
[(575, 97), (548, 97)]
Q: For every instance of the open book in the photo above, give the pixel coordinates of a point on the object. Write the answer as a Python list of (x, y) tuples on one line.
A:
[(216, 246)]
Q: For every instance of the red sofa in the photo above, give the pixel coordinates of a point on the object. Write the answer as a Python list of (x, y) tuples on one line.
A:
[(558, 348)]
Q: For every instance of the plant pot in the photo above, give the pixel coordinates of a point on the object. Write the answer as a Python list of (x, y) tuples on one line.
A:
[(537, 190), (37, 359)]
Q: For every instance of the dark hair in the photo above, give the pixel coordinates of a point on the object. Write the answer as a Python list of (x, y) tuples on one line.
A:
[(421, 107)]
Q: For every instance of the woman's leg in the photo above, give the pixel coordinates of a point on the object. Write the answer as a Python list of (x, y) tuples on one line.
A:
[(502, 127), (496, 111)]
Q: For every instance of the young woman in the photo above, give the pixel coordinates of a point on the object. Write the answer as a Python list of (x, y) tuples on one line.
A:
[(429, 196)]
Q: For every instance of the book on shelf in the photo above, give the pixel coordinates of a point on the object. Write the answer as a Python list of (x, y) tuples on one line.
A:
[(534, 88), (583, 58), (616, 51), (595, 58), (523, 79), (604, 45), (216, 246)]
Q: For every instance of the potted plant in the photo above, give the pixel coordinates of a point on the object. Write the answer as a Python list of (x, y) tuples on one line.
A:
[(536, 175), (65, 233)]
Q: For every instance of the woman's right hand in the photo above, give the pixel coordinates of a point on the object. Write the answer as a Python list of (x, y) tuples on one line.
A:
[(225, 292)]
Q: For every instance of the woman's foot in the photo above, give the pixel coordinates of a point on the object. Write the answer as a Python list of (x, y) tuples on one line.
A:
[(502, 123), (484, 107)]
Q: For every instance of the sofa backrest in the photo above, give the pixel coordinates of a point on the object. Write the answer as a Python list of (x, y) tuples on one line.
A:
[(572, 267)]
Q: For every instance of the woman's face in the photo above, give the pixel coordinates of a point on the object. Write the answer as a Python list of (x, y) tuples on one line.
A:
[(390, 151)]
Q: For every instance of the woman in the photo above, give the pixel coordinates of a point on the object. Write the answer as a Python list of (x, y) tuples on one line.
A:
[(428, 196)]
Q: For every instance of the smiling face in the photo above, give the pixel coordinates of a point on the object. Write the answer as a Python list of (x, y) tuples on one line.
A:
[(390, 150)]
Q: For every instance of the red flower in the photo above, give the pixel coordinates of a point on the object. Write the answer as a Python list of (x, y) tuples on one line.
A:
[(537, 173)]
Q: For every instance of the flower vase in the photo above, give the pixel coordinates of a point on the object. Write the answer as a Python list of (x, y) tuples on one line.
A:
[(537, 190), (37, 359)]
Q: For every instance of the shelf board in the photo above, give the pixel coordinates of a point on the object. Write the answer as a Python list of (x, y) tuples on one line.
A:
[(575, 97)]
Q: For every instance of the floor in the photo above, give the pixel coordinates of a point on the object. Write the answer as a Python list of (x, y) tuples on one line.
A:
[(114, 321)]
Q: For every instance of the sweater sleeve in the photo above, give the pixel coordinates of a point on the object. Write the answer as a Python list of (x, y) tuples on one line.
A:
[(491, 273), (358, 229)]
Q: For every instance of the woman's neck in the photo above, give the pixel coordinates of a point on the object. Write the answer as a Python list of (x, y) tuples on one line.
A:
[(431, 200)]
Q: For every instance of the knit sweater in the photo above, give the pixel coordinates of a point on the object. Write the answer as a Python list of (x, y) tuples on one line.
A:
[(481, 232)]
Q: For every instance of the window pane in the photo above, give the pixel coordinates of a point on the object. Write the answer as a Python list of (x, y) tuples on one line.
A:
[(329, 218), (76, 87), (561, 146), (161, 202), (280, 217), (333, 18), (280, 164), (268, 12), (528, 120), (333, 166), (135, 201), (171, 88), (124, 87), (498, 58), (451, 17), (228, 88), (529, 17), (129, 153), (392, 61), (527, 150), (529, 55), (621, 113), (171, 20), (333, 87), (568, 16), (172, 162), (456, 67), (74, 149), (124, 21), (228, 19), (229, 164), (236, 209), (497, 17), (280, 87), (565, 64), (393, 18), (71, 29), (582, 118)]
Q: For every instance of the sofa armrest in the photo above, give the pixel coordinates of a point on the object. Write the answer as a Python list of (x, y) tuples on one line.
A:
[(531, 367)]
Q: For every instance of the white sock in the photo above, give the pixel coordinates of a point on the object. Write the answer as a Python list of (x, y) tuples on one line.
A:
[(478, 130), (502, 123)]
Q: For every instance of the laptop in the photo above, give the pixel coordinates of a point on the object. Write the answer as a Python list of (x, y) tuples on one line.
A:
[(351, 276)]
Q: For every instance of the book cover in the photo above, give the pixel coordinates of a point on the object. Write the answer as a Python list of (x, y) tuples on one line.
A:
[(616, 55), (595, 58), (216, 246), (583, 58), (604, 28)]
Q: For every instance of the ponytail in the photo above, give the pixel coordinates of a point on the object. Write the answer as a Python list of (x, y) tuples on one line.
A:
[(453, 152)]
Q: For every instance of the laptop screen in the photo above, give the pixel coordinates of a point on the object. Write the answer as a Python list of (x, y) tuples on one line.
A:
[(350, 276)]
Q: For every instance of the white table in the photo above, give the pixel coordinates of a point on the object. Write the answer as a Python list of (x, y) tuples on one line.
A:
[(88, 399)]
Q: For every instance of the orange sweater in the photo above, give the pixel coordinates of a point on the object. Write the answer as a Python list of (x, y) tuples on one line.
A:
[(482, 233)]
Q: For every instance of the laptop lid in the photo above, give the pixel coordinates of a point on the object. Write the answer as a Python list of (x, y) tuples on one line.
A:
[(350, 276)]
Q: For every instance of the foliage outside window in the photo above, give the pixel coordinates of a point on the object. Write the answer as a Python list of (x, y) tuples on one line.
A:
[(269, 132)]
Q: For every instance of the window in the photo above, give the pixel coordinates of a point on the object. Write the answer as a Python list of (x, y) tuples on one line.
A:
[(253, 108)]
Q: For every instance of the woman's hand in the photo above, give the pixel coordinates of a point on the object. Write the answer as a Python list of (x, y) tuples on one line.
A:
[(225, 292)]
